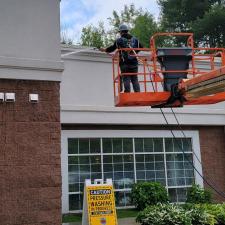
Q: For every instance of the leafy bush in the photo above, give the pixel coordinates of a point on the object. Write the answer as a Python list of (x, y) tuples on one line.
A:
[(216, 210), (163, 214), (144, 194), (196, 194), (199, 216), (170, 214)]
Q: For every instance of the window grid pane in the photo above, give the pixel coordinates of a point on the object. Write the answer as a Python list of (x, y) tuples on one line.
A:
[(118, 163)]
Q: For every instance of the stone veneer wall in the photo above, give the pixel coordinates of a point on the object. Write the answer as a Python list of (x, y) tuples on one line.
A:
[(30, 170)]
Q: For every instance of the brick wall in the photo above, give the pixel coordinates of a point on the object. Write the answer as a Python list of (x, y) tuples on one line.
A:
[(30, 170), (212, 144)]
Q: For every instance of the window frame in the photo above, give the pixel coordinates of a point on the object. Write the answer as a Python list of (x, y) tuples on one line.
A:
[(193, 134)]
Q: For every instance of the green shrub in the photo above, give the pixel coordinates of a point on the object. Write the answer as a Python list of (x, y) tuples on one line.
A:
[(196, 194), (216, 210), (144, 194), (163, 214), (199, 216), (170, 214)]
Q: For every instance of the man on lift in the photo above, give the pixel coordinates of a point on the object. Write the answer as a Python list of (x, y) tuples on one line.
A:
[(127, 60)]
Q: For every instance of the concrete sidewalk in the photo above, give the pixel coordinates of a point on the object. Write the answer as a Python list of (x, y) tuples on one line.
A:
[(124, 221)]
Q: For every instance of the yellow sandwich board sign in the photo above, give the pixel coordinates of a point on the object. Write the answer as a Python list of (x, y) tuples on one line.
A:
[(99, 203)]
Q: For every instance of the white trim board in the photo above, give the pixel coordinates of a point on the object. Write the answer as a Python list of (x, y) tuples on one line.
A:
[(143, 118)]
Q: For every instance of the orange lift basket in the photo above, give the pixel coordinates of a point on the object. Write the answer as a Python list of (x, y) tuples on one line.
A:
[(173, 77)]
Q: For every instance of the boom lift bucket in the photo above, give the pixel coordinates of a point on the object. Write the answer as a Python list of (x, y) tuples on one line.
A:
[(174, 59), (173, 77)]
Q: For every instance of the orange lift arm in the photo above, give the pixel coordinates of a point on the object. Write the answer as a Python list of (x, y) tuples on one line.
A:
[(211, 84)]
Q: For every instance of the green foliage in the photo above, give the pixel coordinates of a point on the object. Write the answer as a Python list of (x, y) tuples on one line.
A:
[(144, 194), (205, 18), (140, 22), (199, 216), (171, 214), (210, 29), (196, 194), (93, 36), (177, 14), (144, 27), (216, 210), (128, 16)]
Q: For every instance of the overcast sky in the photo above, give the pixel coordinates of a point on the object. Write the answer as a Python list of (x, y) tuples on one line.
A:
[(76, 14)]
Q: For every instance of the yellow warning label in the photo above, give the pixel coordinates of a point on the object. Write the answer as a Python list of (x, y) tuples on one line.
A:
[(101, 205)]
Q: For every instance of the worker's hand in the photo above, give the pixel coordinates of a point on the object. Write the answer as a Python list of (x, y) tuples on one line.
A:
[(102, 49), (218, 54)]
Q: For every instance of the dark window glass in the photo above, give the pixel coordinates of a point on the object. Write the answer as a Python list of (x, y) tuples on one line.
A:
[(74, 187), (107, 159), (108, 167), (158, 144), (84, 168), (159, 158), (128, 199), (75, 202), (73, 160), (73, 178), (127, 145), (118, 175), (149, 166), (139, 144), (107, 145), (95, 145), (140, 166), (148, 145), (72, 146), (108, 175), (84, 176), (150, 175), (120, 199), (73, 168), (178, 146), (117, 145), (128, 167), (140, 158), (95, 159), (118, 166), (83, 145), (149, 158), (169, 145), (159, 166), (84, 160), (187, 144), (128, 158), (140, 175), (96, 168), (117, 158)]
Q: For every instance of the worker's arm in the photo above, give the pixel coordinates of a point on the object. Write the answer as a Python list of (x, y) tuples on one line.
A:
[(139, 46), (109, 49)]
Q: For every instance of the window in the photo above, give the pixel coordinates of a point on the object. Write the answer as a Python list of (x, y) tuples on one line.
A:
[(129, 160)]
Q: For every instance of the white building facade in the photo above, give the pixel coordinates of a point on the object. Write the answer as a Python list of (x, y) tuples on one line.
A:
[(130, 144)]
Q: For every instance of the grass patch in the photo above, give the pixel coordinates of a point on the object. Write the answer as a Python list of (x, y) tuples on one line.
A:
[(121, 213), (125, 213), (69, 218)]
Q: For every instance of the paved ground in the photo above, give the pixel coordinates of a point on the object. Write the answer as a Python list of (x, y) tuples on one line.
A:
[(124, 221)]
